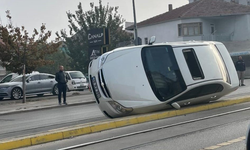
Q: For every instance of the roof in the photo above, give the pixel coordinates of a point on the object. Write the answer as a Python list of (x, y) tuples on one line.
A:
[(202, 8)]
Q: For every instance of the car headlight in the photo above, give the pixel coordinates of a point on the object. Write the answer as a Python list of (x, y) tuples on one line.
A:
[(73, 82), (118, 107), (103, 59)]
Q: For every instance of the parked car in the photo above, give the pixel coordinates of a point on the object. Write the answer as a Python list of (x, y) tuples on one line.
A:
[(12, 76), (9, 77), (76, 81), (36, 84)]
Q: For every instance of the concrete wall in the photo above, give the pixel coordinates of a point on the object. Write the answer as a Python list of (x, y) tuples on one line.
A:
[(237, 27), (168, 31), (164, 32)]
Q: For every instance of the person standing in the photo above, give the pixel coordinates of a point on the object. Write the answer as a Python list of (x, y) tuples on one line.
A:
[(62, 80), (240, 68)]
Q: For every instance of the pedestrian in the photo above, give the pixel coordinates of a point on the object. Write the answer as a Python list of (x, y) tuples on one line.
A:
[(241, 68), (62, 80)]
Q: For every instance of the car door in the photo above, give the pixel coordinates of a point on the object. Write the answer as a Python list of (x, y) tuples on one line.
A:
[(69, 84), (34, 84), (47, 82)]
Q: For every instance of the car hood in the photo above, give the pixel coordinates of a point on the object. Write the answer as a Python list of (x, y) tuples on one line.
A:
[(8, 84), (79, 80)]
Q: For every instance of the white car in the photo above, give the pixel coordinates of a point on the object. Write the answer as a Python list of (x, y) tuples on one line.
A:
[(148, 78), (76, 81)]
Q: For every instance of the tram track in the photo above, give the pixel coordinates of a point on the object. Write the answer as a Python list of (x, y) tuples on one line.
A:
[(157, 128)]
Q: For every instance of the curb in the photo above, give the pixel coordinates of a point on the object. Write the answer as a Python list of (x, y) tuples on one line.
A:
[(110, 124), (43, 108), (10, 102)]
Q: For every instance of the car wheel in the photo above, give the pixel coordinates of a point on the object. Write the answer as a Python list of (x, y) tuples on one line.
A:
[(40, 95), (16, 93), (55, 90), (1, 98)]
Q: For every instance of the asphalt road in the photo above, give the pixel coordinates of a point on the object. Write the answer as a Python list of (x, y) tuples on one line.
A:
[(32, 122), (194, 135), (26, 123)]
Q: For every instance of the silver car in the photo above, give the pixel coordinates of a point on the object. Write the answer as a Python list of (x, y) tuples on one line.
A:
[(36, 84)]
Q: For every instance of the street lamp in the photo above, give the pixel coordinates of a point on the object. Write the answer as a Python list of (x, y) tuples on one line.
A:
[(135, 24), (24, 77)]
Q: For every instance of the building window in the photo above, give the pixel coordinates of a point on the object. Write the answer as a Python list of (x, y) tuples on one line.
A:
[(146, 40), (190, 29)]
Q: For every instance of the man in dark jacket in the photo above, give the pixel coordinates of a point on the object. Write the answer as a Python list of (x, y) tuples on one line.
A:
[(241, 68), (62, 80)]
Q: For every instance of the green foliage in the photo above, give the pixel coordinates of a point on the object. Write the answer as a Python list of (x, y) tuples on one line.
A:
[(18, 46), (59, 58), (81, 21)]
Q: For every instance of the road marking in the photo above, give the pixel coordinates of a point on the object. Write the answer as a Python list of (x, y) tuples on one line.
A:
[(225, 143)]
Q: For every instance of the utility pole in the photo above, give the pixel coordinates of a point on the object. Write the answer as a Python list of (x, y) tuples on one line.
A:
[(135, 24), (24, 72)]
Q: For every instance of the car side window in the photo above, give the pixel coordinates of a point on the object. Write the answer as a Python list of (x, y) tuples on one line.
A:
[(7, 79), (51, 77), (34, 78), (67, 76), (44, 77)]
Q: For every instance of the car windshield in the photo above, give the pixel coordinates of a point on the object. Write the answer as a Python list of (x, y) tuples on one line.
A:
[(162, 71), (19, 79), (76, 75), (7, 79)]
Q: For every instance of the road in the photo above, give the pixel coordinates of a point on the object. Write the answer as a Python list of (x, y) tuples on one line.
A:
[(20, 124), (32, 122), (188, 132)]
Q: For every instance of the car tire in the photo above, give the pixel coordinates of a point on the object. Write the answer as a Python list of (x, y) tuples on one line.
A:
[(16, 93), (40, 95), (55, 90), (1, 98)]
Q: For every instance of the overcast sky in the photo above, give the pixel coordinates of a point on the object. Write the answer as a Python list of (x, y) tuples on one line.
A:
[(32, 13)]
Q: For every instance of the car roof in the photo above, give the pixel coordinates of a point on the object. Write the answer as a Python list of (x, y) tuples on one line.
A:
[(173, 44), (72, 71)]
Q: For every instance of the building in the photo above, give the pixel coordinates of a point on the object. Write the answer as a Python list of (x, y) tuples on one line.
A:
[(243, 2), (207, 20)]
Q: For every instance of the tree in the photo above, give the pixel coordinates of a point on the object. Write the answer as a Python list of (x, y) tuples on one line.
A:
[(60, 58), (81, 21), (18, 47)]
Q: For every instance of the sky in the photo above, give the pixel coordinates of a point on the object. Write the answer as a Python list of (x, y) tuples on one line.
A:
[(32, 13)]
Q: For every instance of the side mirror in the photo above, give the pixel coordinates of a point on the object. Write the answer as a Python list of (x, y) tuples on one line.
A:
[(152, 40), (28, 80)]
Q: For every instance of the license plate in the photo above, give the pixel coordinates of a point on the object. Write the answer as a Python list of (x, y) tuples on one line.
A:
[(95, 86)]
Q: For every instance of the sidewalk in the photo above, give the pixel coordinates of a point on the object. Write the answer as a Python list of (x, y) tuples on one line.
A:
[(46, 102)]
